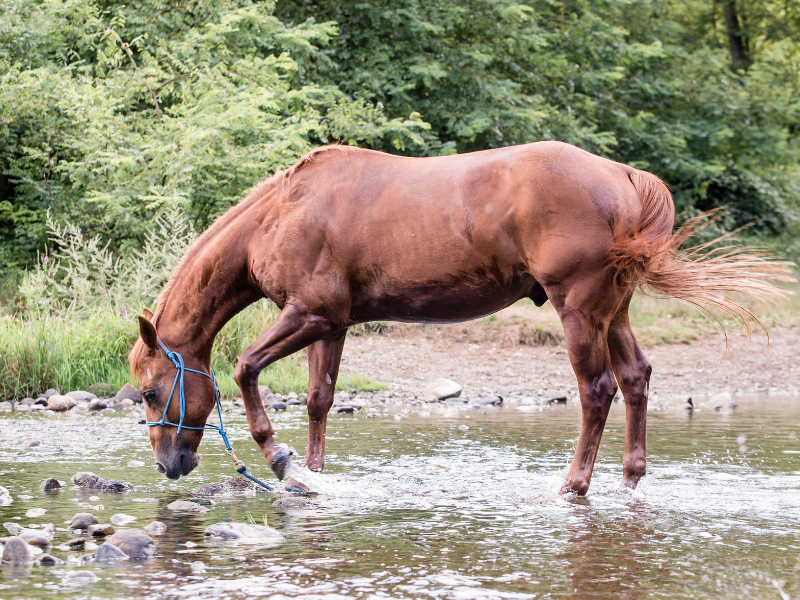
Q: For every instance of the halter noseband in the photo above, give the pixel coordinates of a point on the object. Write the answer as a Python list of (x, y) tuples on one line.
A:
[(178, 361)]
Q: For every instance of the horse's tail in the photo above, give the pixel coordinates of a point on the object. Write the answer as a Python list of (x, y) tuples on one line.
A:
[(703, 275)]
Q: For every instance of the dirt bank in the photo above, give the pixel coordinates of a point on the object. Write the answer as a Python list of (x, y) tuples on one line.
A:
[(411, 356)]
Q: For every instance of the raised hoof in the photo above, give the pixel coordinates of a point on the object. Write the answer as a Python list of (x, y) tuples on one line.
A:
[(280, 462), (294, 486)]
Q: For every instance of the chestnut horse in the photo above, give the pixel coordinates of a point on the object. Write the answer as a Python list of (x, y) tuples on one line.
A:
[(349, 235)]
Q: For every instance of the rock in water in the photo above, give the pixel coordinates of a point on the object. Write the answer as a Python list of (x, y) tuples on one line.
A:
[(88, 480), (128, 391), (155, 528), (81, 396), (5, 497), (234, 485), (115, 486), (34, 538), (290, 502), (97, 404), (187, 506), (243, 533), (82, 521), (107, 553), (122, 519), (99, 530), (46, 560), (13, 528), (133, 542), (60, 403), (50, 484), (441, 389), (17, 552), (79, 578), (491, 401), (35, 512)]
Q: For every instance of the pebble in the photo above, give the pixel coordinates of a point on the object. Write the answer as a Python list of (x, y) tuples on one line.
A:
[(13, 528), (35, 512), (491, 401), (343, 409), (99, 530), (107, 553), (81, 396), (50, 484), (133, 542), (97, 404), (60, 403), (34, 538), (47, 560), (87, 479), (17, 552), (278, 406), (186, 506), (155, 528), (117, 487), (34, 444), (73, 544), (82, 521), (441, 389), (6, 406), (243, 533), (122, 519)]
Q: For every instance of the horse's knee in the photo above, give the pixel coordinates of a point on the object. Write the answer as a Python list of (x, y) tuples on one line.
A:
[(319, 403), (246, 371), (633, 469), (634, 381), (598, 392)]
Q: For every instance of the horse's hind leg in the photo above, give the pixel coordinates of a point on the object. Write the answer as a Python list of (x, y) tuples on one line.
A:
[(293, 330), (633, 374), (585, 322)]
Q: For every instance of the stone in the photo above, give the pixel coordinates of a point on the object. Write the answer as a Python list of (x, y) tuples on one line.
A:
[(51, 392), (155, 528), (82, 521), (5, 497), (47, 560), (50, 484), (88, 480), (101, 390), (243, 533), (119, 406), (441, 389), (40, 401), (13, 528), (35, 512), (97, 404), (294, 402), (135, 463), (303, 397), (107, 553), (6, 406), (122, 519), (34, 538), (79, 578), (133, 542), (278, 406), (60, 403), (491, 401), (128, 391), (99, 530), (81, 396), (73, 544), (264, 391), (343, 409), (17, 552), (234, 485), (28, 401), (554, 397), (79, 408), (186, 506), (117, 487), (290, 502)]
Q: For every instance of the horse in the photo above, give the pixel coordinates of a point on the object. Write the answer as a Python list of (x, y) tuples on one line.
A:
[(350, 235)]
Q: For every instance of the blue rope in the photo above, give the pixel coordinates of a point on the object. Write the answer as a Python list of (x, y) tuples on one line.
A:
[(177, 360)]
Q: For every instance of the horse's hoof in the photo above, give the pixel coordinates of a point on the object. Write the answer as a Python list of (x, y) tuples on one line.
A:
[(280, 462), (296, 487)]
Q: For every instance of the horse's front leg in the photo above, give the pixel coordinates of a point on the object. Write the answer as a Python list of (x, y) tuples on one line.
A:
[(293, 330)]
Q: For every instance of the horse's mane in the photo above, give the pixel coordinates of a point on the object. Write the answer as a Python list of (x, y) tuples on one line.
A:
[(281, 177)]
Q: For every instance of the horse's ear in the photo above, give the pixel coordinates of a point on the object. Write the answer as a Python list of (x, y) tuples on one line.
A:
[(148, 314), (148, 333)]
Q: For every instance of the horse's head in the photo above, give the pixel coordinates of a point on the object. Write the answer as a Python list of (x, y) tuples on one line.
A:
[(175, 453)]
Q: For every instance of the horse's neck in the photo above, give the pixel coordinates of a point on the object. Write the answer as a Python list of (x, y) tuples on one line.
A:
[(210, 290)]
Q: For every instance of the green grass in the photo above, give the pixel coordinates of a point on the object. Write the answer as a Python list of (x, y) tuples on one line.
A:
[(71, 352)]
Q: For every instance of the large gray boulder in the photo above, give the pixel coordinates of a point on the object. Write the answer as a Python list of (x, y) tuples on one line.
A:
[(88, 480), (81, 396), (133, 542), (128, 391), (83, 521), (441, 389), (243, 533), (17, 552), (107, 553)]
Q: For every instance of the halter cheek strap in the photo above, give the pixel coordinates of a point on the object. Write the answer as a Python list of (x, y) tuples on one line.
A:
[(181, 367)]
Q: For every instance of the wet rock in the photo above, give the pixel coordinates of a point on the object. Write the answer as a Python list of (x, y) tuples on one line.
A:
[(234, 485), (441, 389), (72, 545), (155, 528), (82, 521), (343, 409), (35, 444), (96, 413), (490, 401), (51, 392), (34, 538), (6, 406), (47, 560), (108, 553), (289, 503), (17, 552), (243, 533), (134, 542), (278, 406), (13, 528), (37, 408), (293, 402), (79, 578), (35, 512), (60, 403), (128, 391), (303, 398), (78, 408), (264, 392), (554, 397), (88, 480), (122, 519), (50, 484), (117, 487), (186, 506), (40, 401), (97, 404), (100, 530), (81, 396)]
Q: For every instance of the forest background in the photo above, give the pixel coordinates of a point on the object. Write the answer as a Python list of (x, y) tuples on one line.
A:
[(126, 127)]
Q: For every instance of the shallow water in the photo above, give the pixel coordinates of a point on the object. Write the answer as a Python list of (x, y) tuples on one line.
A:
[(455, 506)]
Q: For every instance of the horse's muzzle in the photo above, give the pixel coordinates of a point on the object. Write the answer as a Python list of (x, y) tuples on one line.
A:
[(182, 462)]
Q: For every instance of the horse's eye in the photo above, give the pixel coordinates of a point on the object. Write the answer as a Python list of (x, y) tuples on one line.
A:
[(149, 396)]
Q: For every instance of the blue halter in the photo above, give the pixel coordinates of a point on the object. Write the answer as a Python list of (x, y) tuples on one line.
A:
[(177, 360)]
